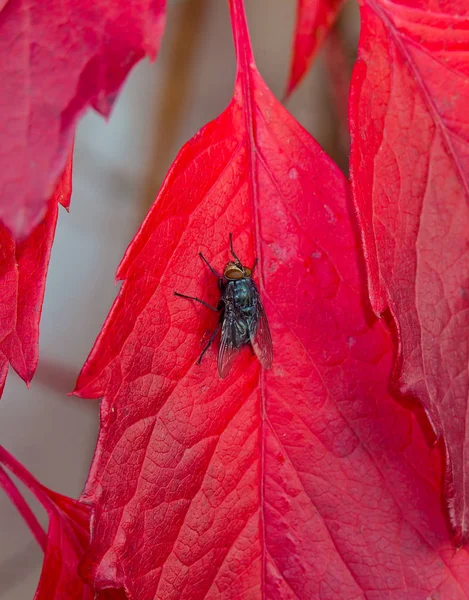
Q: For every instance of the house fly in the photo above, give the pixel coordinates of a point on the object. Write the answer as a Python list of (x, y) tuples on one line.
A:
[(242, 317)]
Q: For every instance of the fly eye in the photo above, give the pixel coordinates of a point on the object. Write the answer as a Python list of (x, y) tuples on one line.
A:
[(247, 272), (233, 273)]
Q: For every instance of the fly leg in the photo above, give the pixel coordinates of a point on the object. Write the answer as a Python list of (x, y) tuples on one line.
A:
[(232, 249), (235, 255), (216, 273), (197, 300), (209, 343), (254, 266)]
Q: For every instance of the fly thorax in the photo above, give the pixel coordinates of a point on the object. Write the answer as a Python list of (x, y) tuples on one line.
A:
[(242, 296)]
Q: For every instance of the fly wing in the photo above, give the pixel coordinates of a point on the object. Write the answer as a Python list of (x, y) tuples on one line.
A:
[(227, 352), (261, 339)]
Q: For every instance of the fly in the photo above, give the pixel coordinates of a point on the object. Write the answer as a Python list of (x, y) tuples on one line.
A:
[(242, 316)]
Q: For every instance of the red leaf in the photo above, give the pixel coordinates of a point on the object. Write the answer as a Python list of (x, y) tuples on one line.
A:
[(67, 537), (410, 175), (314, 18), (23, 271), (57, 58), (307, 481), (3, 372)]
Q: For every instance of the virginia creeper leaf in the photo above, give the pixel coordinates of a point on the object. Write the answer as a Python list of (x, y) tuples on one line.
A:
[(314, 18), (57, 58), (307, 481), (67, 538), (3, 372), (23, 271), (410, 171)]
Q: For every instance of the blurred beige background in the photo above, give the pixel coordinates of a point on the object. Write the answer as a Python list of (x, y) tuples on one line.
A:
[(118, 169)]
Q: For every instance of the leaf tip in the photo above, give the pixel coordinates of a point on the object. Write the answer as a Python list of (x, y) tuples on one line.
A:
[(291, 85), (86, 388), (78, 391)]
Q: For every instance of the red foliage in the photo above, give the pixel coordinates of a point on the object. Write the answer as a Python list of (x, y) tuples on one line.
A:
[(67, 536), (310, 480), (410, 176), (314, 18), (306, 481), (59, 58), (23, 271)]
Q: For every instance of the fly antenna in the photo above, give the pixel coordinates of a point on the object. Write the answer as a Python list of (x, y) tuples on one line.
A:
[(254, 266), (232, 249)]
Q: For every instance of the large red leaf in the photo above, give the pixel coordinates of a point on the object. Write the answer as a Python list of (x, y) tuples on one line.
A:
[(313, 21), (308, 481), (23, 271), (56, 59), (410, 172), (67, 536)]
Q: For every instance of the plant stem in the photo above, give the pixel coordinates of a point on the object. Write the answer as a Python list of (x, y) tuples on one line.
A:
[(25, 511)]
